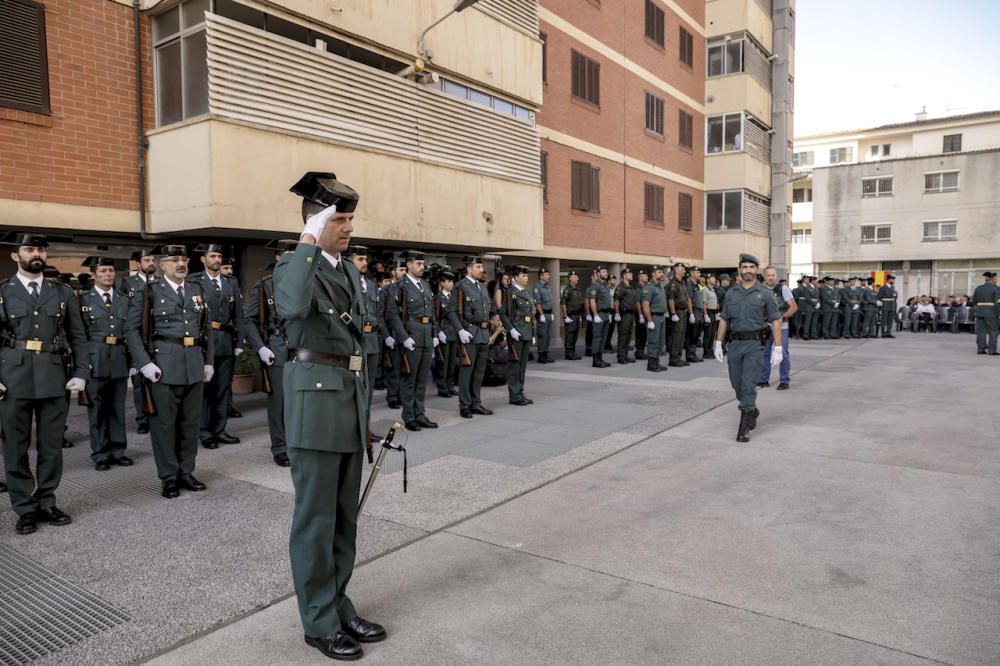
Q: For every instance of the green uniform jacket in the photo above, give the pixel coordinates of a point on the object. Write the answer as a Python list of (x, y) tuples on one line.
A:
[(224, 307), (178, 364), (599, 291), (625, 295), (678, 293), (748, 310), (274, 336), (475, 310), (326, 408), (986, 293), (518, 312), (419, 304), (543, 297), (887, 296), (572, 299), (55, 319), (373, 323), (443, 306), (657, 297), (829, 298), (107, 361)]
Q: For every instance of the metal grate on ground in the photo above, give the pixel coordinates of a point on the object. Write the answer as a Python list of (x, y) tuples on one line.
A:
[(41, 612)]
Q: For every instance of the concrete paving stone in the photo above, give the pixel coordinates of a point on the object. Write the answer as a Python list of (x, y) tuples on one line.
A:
[(449, 600), (520, 451)]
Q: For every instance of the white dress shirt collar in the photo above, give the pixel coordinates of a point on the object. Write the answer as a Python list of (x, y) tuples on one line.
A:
[(334, 261), (26, 281)]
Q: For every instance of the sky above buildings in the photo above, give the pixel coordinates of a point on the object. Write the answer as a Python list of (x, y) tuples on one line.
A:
[(863, 63)]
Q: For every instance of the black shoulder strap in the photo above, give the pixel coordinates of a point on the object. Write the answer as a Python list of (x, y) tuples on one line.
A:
[(338, 305)]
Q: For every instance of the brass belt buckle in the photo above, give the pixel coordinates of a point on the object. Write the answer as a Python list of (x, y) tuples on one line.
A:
[(189, 342), (355, 364), (425, 320), (346, 318), (33, 345), (368, 328), (527, 318), (217, 325), (483, 325), (111, 340)]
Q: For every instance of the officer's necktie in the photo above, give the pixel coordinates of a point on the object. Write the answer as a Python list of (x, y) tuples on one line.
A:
[(218, 287), (107, 299), (34, 291), (180, 293)]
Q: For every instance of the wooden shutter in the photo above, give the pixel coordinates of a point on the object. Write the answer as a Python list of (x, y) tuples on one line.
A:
[(595, 189), (24, 67), (684, 210)]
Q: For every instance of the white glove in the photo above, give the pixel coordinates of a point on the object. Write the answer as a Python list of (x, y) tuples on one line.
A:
[(855, 307), (514, 334), (132, 371), (465, 336), (316, 223), (651, 326), (590, 318), (598, 320), (209, 373), (76, 384), (642, 320), (442, 337), (618, 317), (718, 352), (708, 320), (568, 320), (674, 317), (266, 356), (390, 342), (3, 391), (691, 318), (238, 350), (776, 356), (436, 342), (151, 372), (410, 343), (541, 318), (881, 304)]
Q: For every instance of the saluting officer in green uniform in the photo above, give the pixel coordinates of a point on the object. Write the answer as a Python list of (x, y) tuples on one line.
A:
[(572, 311), (145, 272), (319, 299), (411, 319), (986, 298), (266, 336), (471, 318), (679, 302), (543, 310), (600, 307), (39, 322), (749, 311), (104, 311), (173, 350), (393, 377), (653, 301), (517, 314), (887, 304), (624, 305)]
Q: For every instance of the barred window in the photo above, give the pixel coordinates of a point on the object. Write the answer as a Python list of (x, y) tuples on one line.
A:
[(952, 143), (941, 230), (941, 181), (876, 233), (24, 65), (876, 187)]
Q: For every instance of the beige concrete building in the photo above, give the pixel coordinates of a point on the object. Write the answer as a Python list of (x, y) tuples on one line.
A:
[(917, 199)]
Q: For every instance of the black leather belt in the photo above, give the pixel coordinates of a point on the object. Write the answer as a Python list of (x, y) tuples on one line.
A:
[(108, 340), (189, 341), (352, 363), (657, 314), (481, 324), (33, 345), (605, 311), (749, 335), (546, 311), (422, 320)]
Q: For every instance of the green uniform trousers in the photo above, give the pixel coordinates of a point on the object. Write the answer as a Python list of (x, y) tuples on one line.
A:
[(173, 429), (138, 381), (322, 539), (572, 334), (470, 377), (625, 334), (413, 387), (447, 369), (516, 368), (745, 364), (106, 414), (986, 333), (599, 335), (276, 409), (217, 395), (33, 493), (654, 338), (392, 376), (677, 335)]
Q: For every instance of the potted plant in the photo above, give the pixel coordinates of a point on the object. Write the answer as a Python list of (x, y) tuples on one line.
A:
[(245, 373)]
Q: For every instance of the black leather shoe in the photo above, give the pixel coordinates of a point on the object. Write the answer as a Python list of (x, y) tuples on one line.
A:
[(425, 422), (364, 631), (337, 646), (234, 413), (743, 433), (444, 394), (102, 466), (188, 482), (226, 438), (412, 425), (143, 429), (519, 403), (210, 443), (783, 386), (281, 460), (53, 516), (26, 524), (170, 489), (395, 405), (763, 384), (123, 461), (452, 392), (479, 409), (753, 418), (3, 487), (465, 413), (994, 353), (677, 364), (981, 351), (67, 444), (529, 401)]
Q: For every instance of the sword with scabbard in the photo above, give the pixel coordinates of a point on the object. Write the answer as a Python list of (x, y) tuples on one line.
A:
[(385, 445)]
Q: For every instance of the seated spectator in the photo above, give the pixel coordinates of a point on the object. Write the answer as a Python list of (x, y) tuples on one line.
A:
[(925, 314)]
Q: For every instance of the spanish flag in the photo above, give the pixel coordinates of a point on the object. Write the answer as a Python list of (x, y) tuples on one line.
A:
[(879, 277)]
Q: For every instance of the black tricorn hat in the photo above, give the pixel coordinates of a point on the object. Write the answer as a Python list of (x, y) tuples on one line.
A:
[(413, 255), (142, 252), (517, 269), (323, 188), (989, 274), (229, 261), (356, 251), (29, 239), (171, 251), (205, 248), (890, 276), (447, 275), (472, 259), (572, 273), (94, 262), (397, 263), (282, 245), (642, 271)]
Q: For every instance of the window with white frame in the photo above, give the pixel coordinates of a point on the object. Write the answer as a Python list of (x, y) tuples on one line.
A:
[(738, 53), (801, 236), (880, 186), (876, 233), (803, 159), (802, 195), (941, 230), (841, 155), (724, 134), (941, 181), (723, 210), (180, 62), (489, 101)]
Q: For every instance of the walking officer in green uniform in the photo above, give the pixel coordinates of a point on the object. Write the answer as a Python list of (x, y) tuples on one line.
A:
[(642, 279), (168, 334), (750, 313), (653, 302), (542, 293), (411, 319), (471, 318), (572, 312), (599, 305), (145, 272), (225, 308), (319, 299), (39, 323), (986, 298), (266, 336), (104, 311), (517, 314), (887, 305), (393, 377), (679, 303), (624, 305)]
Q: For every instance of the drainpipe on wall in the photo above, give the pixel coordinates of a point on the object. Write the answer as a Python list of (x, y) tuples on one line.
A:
[(140, 131)]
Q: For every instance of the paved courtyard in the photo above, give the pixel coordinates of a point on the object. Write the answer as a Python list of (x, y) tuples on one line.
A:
[(616, 520)]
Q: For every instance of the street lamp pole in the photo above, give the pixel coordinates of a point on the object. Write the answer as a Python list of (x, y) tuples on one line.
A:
[(459, 6)]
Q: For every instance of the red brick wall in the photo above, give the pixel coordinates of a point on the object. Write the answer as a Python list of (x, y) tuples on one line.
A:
[(84, 153)]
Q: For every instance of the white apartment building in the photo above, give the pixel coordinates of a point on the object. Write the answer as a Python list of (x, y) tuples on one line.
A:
[(917, 199)]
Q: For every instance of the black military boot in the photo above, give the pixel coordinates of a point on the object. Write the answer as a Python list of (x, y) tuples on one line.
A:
[(653, 364), (599, 361), (743, 434), (753, 418)]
